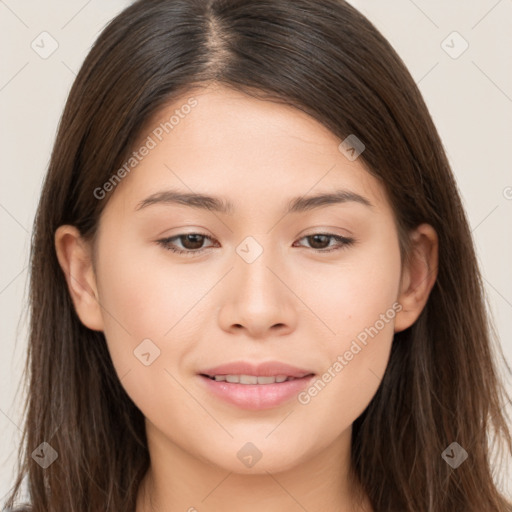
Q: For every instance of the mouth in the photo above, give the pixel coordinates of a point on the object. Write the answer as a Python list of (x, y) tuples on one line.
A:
[(243, 392), (253, 379)]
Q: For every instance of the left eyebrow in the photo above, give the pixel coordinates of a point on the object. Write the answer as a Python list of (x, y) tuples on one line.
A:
[(220, 205)]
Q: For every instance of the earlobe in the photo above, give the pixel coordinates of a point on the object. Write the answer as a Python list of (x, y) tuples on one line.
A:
[(418, 276), (74, 256)]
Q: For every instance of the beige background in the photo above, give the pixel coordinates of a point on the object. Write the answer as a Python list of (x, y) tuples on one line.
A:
[(470, 98)]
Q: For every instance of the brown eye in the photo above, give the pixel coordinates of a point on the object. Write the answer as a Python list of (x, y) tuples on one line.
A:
[(189, 243), (192, 241), (320, 242)]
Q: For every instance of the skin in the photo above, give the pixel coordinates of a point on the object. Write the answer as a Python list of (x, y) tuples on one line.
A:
[(292, 304)]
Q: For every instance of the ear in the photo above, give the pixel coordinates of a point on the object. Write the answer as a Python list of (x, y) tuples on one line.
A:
[(418, 275), (75, 259)]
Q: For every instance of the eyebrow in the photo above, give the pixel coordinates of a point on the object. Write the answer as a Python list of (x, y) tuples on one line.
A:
[(220, 205)]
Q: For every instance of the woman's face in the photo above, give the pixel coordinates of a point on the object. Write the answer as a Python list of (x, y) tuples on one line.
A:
[(263, 282)]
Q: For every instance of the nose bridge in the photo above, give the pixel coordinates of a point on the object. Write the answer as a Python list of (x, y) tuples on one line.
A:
[(257, 299), (252, 268)]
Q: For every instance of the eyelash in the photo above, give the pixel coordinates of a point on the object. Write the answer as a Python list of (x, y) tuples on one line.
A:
[(166, 243)]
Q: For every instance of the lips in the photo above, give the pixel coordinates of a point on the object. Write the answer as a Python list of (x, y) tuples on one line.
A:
[(280, 371), (255, 386), (250, 379)]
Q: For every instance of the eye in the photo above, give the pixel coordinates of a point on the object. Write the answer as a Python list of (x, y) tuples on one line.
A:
[(192, 243), (318, 241)]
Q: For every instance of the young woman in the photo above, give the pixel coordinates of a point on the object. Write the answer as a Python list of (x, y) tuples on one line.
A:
[(253, 283)]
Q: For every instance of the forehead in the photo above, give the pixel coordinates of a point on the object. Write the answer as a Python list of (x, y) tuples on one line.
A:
[(222, 142)]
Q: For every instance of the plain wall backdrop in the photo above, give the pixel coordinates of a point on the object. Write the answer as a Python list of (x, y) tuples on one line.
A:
[(459, 54)]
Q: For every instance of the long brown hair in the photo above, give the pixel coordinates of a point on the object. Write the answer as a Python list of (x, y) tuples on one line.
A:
[(323, 57)]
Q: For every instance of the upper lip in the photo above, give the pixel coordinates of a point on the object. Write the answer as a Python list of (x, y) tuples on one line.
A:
[(267, 369)]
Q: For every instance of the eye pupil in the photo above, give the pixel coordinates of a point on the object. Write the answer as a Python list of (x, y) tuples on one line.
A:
[(197, 241), (316, 239)]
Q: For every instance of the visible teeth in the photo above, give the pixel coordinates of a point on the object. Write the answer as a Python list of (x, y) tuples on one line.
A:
[(267, 380), (251, 379), (248, 379)]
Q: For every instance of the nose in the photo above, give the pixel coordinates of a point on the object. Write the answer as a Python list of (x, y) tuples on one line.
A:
[(257, 299)]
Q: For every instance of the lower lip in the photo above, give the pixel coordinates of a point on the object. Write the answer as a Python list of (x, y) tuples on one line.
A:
[(257, 396)]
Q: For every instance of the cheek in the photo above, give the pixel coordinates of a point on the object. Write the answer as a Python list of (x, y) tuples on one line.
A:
[(359, 303), (351, 293), (370, 290), (146, 294), (150, 307)]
